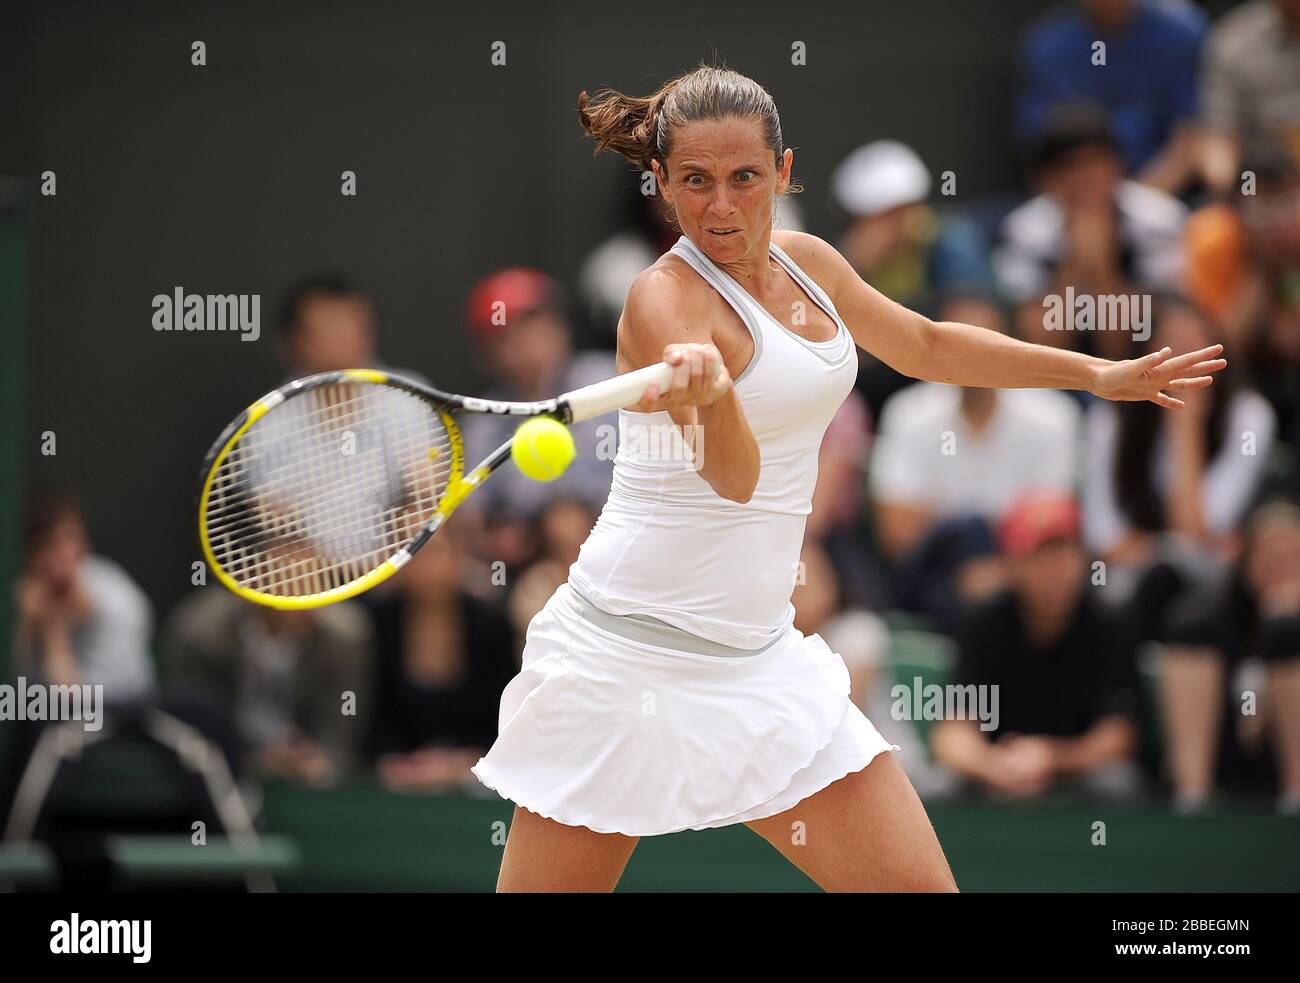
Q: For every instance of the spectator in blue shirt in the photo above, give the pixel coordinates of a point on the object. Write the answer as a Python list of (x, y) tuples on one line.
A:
[(1147, 82)]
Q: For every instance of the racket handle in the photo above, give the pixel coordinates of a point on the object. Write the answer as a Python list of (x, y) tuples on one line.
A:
[(614, 394)]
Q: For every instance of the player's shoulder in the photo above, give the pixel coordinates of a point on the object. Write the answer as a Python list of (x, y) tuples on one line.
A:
[(805, 248), (815, 256), (666, 304), (668, 287)]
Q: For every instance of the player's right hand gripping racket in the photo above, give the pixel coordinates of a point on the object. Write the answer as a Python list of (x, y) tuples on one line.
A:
[(328, 485)]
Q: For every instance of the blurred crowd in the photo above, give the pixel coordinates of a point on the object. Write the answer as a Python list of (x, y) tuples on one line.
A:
[(1127, 577)]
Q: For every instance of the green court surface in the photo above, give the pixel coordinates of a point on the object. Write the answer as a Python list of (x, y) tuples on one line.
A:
[(364, 838)]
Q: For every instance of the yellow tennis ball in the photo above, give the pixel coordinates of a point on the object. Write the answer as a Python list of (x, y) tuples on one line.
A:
[(543, 448)]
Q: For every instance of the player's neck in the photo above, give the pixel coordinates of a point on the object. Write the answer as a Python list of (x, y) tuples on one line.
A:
[(757, 272)]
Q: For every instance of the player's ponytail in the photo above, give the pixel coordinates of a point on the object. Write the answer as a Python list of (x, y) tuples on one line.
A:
[(641, 128), (626, 125)]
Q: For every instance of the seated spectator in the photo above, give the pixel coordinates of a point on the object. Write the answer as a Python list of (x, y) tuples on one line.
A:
[(1256, 615), (326, 324), (1148, 82), (563, 527), (1089, 232), (1250, 77), (1242, 250), (522, 337), (283, 678), (947, 462), (1275, 358), (900, 245), (81, 619), (1165, 491), (444, 658), (1243, 268), (1062, 664)]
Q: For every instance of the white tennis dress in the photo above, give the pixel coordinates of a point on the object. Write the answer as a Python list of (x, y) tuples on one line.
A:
[(664, 687)]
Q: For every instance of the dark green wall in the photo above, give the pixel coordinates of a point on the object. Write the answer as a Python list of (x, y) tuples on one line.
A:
[(14, 213), (224, 179)]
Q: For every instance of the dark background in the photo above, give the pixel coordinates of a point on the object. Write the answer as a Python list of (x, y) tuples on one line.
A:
[(225, 179)]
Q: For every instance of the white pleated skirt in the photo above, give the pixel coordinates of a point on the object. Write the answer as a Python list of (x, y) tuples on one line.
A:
[(603, 729)]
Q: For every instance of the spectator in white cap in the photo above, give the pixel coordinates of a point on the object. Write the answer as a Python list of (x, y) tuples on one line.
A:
[(883, 187), (899, 244)]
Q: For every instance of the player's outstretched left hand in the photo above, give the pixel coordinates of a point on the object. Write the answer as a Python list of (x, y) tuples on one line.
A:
[(1148, 378)]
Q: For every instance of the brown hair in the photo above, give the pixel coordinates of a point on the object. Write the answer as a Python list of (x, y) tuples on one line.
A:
[(641, 128)]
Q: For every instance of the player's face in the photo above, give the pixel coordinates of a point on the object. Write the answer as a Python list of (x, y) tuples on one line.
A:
[(722, 180)]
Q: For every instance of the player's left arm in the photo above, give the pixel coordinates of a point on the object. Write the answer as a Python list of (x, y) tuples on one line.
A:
[(966, 355)]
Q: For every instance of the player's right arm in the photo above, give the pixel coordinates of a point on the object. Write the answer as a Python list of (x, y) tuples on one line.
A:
[(661, 322)]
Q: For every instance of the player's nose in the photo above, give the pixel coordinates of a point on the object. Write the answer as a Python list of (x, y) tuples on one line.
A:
[(721, 206)]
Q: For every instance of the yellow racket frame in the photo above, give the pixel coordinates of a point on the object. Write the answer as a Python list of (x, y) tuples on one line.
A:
[(458, 487)]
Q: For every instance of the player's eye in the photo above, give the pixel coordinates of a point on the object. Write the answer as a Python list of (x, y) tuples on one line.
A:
[(695, 180), (745, 177)]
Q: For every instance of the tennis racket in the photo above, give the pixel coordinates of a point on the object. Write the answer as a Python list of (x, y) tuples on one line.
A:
[(330, 484)]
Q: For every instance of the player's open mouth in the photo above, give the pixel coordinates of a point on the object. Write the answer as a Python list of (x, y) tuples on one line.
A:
[(723, 232)]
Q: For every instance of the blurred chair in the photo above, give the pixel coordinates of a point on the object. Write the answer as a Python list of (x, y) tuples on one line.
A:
[(89, 795)]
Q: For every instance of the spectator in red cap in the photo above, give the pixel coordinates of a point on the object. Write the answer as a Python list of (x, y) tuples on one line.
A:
[(1061, 661), (520, 328)]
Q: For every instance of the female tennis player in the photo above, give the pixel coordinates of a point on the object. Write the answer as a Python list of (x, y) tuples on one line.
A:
[(664, 687)]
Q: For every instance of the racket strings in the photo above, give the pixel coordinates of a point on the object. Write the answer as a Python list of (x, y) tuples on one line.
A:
[(326, 487)]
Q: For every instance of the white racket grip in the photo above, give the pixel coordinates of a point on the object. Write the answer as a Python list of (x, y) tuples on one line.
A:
[(614, 394)]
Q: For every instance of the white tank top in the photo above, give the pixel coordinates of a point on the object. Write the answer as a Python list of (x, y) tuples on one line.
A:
[(669, 547)]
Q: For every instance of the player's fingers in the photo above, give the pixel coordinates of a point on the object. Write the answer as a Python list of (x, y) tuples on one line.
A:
[(681, 371), (712, 366), (1201, 368), (702, 381), (698, 358), (717, 374), (1168, 402), (1185, 385), (1183, 363), (684, 390), (1149, 362)]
